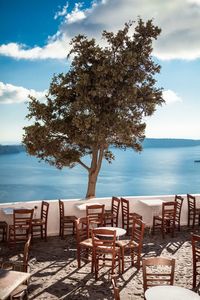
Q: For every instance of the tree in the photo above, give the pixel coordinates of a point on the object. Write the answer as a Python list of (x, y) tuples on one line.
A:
[(100, 102)]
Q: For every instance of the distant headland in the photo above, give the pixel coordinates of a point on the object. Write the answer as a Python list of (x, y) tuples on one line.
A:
[(147, 143)]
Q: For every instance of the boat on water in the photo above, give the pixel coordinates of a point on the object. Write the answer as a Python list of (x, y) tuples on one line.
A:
[(197, 160)]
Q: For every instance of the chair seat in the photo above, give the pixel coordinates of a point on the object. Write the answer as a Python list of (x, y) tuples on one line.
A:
[(38, 222), (135, 215), (86, 243), (69, 218), (127, 243)]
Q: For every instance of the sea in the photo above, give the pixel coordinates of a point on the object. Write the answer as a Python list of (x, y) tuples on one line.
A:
[(154, 171)]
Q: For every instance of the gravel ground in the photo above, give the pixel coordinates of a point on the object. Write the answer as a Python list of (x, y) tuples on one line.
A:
[(55, 274)]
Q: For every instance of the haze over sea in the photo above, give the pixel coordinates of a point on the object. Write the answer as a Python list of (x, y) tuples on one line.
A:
[(155, 171)]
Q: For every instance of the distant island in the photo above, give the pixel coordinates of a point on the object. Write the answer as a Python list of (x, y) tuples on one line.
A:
[(147, 143)]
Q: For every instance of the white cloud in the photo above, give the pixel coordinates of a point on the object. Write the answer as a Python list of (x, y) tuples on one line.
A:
[(17, 94), (179, 21), (171, 97)]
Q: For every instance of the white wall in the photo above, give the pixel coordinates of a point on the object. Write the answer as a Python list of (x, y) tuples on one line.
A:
[(71, 208)]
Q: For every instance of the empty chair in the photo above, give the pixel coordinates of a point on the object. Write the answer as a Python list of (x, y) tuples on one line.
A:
[(83, 242), (196, 260), (193, 211), (157, 271), (3, 230), (66, 222), (111, 216), (127, 216), (95, 214), (179, 203), (134, 245), (115, 288), (41, 223), (19, 231), (166, 222), (105, 250)]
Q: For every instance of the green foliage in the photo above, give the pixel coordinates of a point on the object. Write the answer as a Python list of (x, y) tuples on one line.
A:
[(99, 102)]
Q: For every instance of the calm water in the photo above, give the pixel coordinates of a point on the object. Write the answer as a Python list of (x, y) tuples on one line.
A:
[(156, 171)]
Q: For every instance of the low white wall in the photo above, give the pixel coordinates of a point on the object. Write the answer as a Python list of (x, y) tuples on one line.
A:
[(71, 208)]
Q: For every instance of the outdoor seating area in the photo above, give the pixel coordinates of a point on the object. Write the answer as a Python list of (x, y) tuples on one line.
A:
[(97, 260)]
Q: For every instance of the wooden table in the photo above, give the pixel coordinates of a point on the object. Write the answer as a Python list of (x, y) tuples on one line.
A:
[(170, 292), (10, 280), (119, 231)]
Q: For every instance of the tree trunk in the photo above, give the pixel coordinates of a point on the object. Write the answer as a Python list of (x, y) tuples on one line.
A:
[(97, 157)]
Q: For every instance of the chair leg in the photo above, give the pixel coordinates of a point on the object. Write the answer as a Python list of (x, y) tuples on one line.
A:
[(122, 257)]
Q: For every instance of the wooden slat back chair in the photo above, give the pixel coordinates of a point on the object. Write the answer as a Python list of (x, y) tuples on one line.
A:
[(3, 231), (21, 291), (166, 222), (19, 231), (196, 260), (115, 288), (41, 223), (157, 271), (179, 203), (193, 211), (83, 242), (134, 245), (127, 216), (105, 250), (111, 216), (66, 222), (95, 214)]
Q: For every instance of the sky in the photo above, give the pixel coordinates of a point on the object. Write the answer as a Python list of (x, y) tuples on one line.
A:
[(35, 40)]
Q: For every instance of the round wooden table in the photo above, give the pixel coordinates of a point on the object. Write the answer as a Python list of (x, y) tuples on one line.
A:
[(170, 292), (119, 231)]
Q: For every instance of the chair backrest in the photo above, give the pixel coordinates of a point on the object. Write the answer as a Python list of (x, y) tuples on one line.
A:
[(95, 213), (22, 217), (61, 208), (107, 241), (195, 258), (125, 208), (179, 203), (82, 229), (138, 232), (169, 210), (115, 288), (191, 202), (115, 209), (26, 254), (158, 271), (44, 211)]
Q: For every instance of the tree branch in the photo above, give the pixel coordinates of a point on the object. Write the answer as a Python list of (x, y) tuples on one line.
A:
[(83, 165)]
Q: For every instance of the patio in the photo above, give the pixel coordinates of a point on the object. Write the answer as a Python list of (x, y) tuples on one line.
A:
[(55, 274)]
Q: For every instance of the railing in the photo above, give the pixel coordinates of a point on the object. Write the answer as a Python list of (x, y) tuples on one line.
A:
[(76, 207)]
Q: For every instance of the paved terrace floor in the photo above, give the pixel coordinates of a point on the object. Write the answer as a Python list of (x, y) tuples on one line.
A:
[(55, 274)]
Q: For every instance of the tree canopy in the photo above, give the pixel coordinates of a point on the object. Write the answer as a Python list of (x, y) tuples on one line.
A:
[(101, 101)]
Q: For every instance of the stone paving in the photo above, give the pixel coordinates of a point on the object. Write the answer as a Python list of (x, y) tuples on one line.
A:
[(55, 274)]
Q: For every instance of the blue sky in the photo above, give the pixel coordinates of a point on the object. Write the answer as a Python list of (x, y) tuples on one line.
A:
[(34, 42)]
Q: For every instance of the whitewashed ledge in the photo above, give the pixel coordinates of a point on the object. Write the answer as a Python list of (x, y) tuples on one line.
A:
[(76, 207)]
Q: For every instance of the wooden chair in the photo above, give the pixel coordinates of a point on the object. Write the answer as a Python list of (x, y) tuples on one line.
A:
[(127, 216), (179, 203), (42, 222), (134, 245), (66, 222), (115, 288), (83, 242), (157, 271), (21, 291), (111, 216), (3, 231), (166, 222), (193, 212), (105, 250), (19, 231), (95, 214), (196, 259)]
